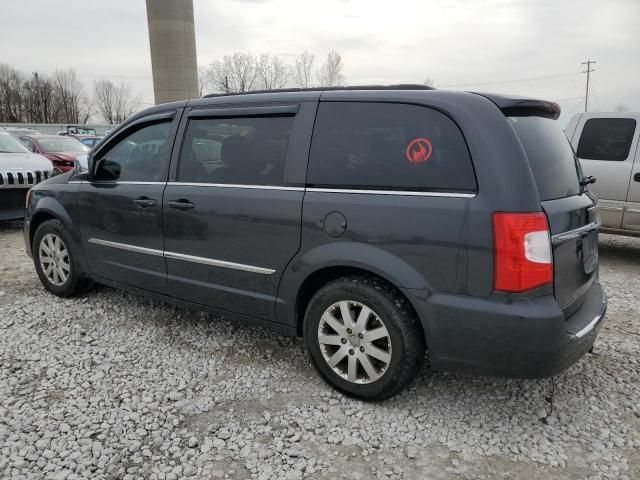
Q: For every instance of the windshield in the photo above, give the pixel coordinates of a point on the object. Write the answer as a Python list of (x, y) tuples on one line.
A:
[(62, 144), (10, 144), (550, 156)]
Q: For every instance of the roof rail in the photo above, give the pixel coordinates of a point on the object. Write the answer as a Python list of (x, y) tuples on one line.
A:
[(402, 86)]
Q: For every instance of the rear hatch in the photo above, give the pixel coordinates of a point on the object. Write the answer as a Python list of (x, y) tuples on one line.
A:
[(570, 209)]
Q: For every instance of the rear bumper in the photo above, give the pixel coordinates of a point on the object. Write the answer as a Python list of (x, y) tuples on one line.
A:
[(523, 339)]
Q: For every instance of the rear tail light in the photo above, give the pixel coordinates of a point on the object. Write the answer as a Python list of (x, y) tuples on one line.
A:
[(522, 251)]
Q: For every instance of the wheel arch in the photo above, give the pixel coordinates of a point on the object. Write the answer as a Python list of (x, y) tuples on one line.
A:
[(309, 271), (38, 219), (49, 208), (321, 277)]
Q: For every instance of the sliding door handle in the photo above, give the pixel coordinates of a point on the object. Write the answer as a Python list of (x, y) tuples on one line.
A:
[(181, 204)]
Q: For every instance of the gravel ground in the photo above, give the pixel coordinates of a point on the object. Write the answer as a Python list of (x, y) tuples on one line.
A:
[(111, 385)]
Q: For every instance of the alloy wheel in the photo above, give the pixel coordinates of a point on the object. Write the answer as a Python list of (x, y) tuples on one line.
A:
[(54, 259), (354, 342)]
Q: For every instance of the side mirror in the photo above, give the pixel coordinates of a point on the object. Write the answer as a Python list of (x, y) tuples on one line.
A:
[(104, 169)]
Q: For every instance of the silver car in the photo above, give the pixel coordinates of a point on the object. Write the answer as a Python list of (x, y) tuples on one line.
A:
[(20, 169), (607, 146)]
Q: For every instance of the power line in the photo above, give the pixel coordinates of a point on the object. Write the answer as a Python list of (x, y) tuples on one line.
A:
[(513, 81), (588, 71), (115, 76)]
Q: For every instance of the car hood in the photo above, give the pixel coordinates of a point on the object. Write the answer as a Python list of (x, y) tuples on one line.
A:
[(23, 162)]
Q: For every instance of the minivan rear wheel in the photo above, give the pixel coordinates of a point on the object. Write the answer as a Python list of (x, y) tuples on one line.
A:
[(363, 337)]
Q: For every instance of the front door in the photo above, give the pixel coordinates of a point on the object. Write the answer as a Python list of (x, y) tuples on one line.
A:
[(631, 219), (231, 221), (121, 207)]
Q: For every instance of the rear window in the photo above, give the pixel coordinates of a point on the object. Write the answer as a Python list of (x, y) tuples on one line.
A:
[(606, 139), (550, 156), (386, 146)]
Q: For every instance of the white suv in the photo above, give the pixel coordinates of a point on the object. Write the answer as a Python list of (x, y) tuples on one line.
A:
[(20, 169)]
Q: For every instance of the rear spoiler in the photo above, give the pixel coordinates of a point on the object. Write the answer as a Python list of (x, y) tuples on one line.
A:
[(523, 107)]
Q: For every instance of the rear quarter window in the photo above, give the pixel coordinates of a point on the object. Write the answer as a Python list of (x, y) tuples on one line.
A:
[(387, 146), (550, 156), (606, 139)]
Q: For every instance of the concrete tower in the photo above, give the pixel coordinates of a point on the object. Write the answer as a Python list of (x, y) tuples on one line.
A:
[(173, 49)]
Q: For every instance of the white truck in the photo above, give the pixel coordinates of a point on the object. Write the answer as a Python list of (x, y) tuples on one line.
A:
[(607, 147)]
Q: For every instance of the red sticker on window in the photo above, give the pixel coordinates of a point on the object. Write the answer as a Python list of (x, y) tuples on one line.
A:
[(419, 150)]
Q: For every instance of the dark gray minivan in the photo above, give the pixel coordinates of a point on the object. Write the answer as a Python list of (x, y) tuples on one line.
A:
[(382, 224)]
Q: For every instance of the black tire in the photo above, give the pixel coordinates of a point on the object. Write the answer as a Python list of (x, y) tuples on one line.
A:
[(75, 280), (405, 336)]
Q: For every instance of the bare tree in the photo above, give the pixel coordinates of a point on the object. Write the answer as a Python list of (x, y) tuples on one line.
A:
[(303, 70), (38, 99), (621, 107), (330, 74), (59, 98), (429, 82), (104, 96), (71, 102), (273, 73), (115, 103), (234, 73), (11, 94), (203, 81)]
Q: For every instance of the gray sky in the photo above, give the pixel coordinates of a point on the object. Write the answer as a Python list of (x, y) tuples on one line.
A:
[(485, 45)]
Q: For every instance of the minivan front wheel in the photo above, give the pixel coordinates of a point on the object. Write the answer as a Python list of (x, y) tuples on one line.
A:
[(363, 337), (53, 257)]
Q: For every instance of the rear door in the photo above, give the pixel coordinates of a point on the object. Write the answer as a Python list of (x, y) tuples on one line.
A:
[(570, 209), (232, 214), (606, 147)]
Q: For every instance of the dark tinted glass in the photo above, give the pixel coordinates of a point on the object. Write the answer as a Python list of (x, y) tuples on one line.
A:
[(550, 156), (388, 146), (606, 139), (142, 156), (241, 151)]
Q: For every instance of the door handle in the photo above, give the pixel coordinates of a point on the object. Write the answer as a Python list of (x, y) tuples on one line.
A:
[(181, 204), (145, 202), (636, 177)]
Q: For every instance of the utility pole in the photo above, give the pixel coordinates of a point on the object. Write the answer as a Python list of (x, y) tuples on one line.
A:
[(588, 63), (40, 101)]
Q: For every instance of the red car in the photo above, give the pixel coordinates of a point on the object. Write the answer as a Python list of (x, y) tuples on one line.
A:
[(62, 151)]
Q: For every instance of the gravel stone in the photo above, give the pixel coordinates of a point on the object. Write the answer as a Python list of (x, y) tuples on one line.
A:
[(111, 385)]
